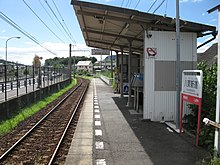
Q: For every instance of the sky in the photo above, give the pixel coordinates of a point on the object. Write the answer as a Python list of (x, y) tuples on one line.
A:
[(53, 25)]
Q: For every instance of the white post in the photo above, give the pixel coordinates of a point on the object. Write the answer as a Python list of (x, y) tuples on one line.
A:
[(216, 142), (178, 78)]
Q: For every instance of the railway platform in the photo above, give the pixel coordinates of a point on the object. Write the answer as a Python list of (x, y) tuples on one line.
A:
[(109, 133)]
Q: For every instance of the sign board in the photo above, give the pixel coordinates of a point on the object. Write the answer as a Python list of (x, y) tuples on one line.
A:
[(151, 52), (192, 93), (100, 52), (192, 83)]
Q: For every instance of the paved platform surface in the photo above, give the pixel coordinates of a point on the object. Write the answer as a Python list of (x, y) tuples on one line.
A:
[(109, 133), (81, 149)]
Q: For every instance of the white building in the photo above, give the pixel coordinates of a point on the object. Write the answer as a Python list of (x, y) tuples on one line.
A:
[(84, 66)]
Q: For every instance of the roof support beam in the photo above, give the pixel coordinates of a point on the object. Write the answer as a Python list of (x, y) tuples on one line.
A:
[(108, 44), (112, 34)]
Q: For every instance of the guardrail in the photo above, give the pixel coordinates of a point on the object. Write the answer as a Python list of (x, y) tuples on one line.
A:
[(108, 81)]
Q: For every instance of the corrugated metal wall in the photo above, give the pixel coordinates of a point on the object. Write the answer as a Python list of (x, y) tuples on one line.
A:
[(159, 73), (149, 106), (165, 105)]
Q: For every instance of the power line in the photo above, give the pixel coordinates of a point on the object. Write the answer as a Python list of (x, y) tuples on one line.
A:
[(122, 3), (130, 3), (137, 4), (42, 21), (152, 5), (57, 18), (52, 19), (165, 13), (159, 6), (16, 26), (63, 21), (127, 3)]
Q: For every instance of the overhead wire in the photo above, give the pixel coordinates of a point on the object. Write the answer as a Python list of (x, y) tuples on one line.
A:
[(52, 19), (152, 5), (127, 3), (159, 6), (63, 21), (137, 4), (16, 26), (42, 21), (165, 13), (122, 3), (57, 19), (130, 3)]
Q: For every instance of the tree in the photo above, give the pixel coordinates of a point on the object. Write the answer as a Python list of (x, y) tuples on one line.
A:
[(36, 61)]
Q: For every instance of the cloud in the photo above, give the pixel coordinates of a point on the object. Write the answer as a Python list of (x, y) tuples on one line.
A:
[(3, 31)]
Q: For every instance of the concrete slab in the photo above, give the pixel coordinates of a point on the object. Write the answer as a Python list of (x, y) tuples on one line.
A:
[(83, 135), (80, 150), (79, 160), (83, 129), (82, 142)]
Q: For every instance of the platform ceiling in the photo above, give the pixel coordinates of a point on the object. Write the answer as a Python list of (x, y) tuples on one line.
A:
[(109, 27)]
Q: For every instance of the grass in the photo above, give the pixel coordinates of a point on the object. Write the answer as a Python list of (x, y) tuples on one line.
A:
[(8, 125)]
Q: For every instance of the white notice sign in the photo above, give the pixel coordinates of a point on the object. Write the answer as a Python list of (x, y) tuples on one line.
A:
[(192, 82)]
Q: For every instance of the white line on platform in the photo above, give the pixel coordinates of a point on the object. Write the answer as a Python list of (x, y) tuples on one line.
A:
[(99, 145), (97, 123), (98, 132), (100, 162), (97, 111), (97, 116), (96, 107)]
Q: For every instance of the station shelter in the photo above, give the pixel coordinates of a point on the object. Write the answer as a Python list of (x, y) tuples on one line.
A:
[(145, 45)]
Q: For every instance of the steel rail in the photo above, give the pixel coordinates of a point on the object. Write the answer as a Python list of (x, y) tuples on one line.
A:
[(25, 135), (67, 126)]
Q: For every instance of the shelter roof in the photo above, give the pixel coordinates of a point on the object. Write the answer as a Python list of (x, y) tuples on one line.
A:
[(109, 27)]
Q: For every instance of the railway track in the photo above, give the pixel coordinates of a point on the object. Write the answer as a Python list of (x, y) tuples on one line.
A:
[(40, 142)]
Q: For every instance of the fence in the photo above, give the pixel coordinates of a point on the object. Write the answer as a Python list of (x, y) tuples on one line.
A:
[(16, 80), (13, 106)]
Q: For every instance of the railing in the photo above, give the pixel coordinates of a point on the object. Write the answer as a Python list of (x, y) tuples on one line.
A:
[(16, 80), (108, 81)]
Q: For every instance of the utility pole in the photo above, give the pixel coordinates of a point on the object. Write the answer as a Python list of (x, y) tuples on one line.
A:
[(178, 81), (217, 114), (70, 63)]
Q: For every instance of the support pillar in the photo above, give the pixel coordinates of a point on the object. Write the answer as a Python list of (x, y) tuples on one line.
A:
[(121, 77), (129, 74), (111, 66)]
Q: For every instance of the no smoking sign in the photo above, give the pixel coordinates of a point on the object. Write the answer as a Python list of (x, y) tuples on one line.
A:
[(151, 52)]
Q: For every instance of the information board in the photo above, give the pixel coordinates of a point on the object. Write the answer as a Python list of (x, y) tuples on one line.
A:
[(100, 52), (192, 83), (192, 93)]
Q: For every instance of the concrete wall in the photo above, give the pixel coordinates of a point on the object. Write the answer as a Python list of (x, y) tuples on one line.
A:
[(12, 106)]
